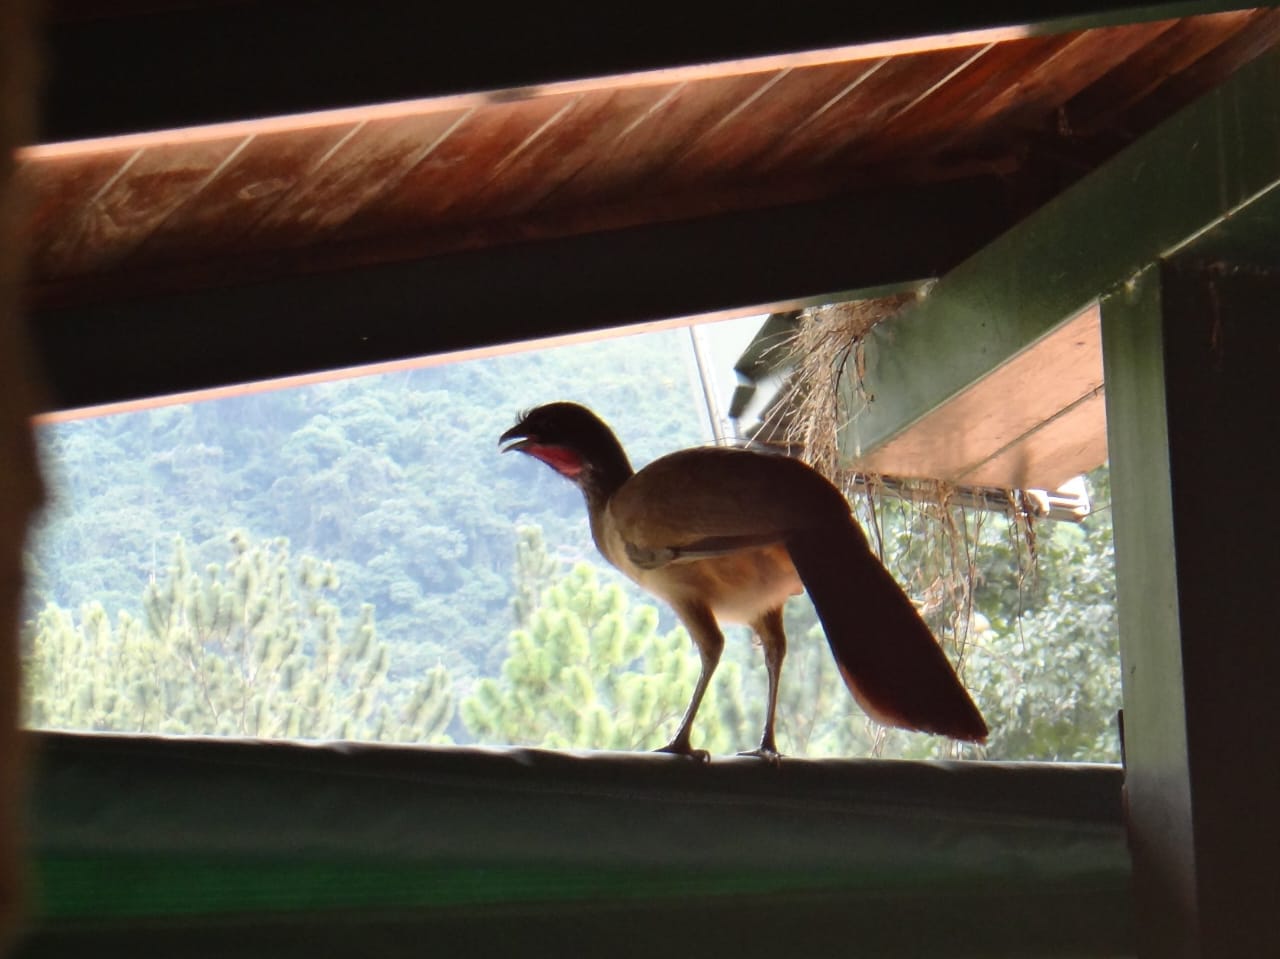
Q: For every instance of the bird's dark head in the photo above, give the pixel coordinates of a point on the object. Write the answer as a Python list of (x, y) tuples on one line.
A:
[(573, 441)]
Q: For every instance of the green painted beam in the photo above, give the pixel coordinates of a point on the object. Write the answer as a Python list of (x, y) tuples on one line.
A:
[(1155, 714), (1190, 348), (1195, 171), (282, 849), (973, 921)]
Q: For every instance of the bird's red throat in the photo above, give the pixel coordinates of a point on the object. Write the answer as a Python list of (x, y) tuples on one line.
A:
[(560, 458)]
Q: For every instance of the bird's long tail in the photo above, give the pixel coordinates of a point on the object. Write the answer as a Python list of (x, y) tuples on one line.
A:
[(889, 659)]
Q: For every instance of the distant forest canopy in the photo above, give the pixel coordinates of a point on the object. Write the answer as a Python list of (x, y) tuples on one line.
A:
[(357, 560), (395, 479)]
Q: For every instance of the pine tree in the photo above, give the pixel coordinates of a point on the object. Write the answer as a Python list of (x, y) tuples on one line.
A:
[(253, 647), (535, 572), (592, 671)]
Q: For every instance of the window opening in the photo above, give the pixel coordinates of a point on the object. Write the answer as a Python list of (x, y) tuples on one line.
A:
[(355, 560)]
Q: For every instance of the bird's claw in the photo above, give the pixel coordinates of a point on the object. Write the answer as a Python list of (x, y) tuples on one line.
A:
[(768, 754), (683, 749)]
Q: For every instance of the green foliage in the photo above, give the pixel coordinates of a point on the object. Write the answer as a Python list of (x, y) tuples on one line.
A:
[(816, 715), (591, 670), (1037, 637), (1049, 680), (587, 670), (398, 479), (252, 647), (535, 572)]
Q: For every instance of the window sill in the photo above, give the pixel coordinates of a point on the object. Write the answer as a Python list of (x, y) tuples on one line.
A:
[(207, 843)]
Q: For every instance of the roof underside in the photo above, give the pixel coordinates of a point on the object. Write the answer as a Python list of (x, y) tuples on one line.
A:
[(836, 170), (172, 209)]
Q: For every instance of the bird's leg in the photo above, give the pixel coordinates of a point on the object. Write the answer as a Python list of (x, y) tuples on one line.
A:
[(774, 641), (710, 642)]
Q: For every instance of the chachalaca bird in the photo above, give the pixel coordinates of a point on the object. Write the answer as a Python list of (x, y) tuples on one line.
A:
[(728, 534)]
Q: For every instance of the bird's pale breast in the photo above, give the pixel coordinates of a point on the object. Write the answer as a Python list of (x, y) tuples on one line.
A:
[(738, 587)]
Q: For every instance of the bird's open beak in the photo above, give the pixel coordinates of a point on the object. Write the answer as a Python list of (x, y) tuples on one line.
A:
[(516, 434), (564, 461)]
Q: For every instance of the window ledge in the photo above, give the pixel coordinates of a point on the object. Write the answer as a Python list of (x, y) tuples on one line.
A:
[(147, 836)]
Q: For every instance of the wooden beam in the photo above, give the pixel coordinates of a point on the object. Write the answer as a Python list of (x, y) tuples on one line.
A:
[(159, 66), (1189, 174), (750, 261), (1033, 423)]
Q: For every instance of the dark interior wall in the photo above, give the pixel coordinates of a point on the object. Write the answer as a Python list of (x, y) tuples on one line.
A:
[(19, 484)]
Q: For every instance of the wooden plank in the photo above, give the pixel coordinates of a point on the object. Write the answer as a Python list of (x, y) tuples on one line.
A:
[(1098, 106), (446, 182), (1258, 35), (1085, 241), (1005, 429), (947, 108), (866, 106), (150, 187), (1037, 93), (550, 153), (1190, 352), (625, 854), (776, 113), (365, 165), (1073, 442), (254, 181), (828, 120), (1157, 788), (282, 326), (600, 150), (168, 68), (646, 148), (1221, 341), (58, 191)]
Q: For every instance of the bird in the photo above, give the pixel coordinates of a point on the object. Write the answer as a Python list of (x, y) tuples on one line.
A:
[(726, 535)]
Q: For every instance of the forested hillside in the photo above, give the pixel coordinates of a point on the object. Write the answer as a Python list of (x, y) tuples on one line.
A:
[(397, 480), (357, 559)]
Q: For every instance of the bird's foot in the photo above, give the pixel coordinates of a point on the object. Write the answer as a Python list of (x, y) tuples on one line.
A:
[(678, 748), (767, 753)]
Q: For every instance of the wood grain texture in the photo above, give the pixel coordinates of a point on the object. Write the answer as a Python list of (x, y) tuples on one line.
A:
[(217, 205), (367, 163), (1139, 77), (1071, 442), (260, 178), (867, 108), (946, 109), (637, 161), (1008, 429), (777, 112), (147, 188), (1033, 96)]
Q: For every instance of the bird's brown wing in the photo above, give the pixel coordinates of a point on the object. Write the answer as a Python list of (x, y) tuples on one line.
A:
[(711, 501), (703, 502)]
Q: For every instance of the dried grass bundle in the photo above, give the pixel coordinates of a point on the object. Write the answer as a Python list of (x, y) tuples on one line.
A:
[(935, 549)]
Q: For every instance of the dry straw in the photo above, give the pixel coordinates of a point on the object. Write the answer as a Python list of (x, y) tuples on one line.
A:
[(933, 548)]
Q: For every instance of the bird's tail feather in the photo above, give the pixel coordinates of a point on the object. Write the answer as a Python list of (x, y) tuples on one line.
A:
[(887, 655)]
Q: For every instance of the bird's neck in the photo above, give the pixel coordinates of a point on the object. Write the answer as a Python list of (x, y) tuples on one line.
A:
[(609, 469)]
